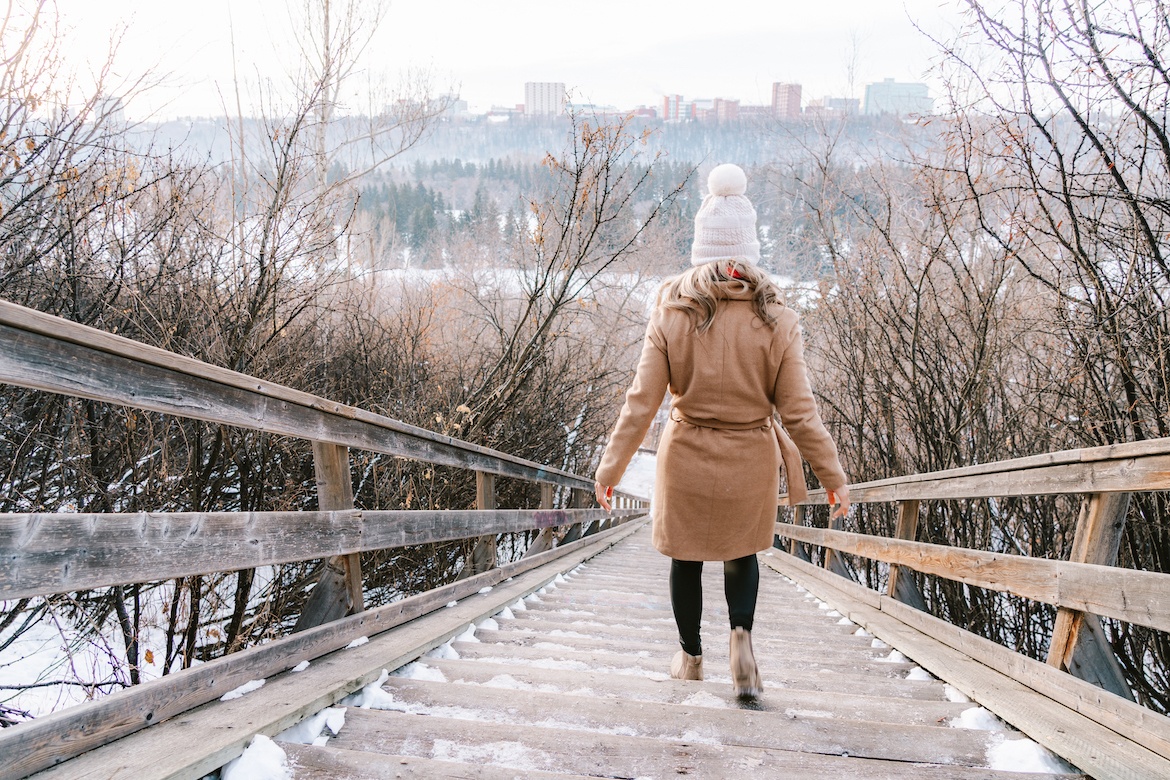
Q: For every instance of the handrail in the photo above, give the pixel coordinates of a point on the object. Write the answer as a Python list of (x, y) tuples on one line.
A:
[(1118, 468), (1081, 670), (44, 352)]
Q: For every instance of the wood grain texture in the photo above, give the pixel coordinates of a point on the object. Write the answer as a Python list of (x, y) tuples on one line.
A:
[(1141, 597), (483, 554), (55, 738), (58, 553), (1132, 741), (338, 591), (51, 354), (1078, 644), (203, 738)]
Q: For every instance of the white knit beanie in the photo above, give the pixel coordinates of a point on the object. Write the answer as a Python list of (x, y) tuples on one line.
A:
[(725, 227)]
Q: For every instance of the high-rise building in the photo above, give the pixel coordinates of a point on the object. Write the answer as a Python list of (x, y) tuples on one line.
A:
[(786, 101), (899, 98), (544, 98), (675, 109), (726, 110)]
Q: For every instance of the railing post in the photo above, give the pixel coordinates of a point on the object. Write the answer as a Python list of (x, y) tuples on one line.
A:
[(833, 560), (1078, 641), (339, 590), (483, 555), (799, 513), (579, 500), (547, 536), (902, 585)]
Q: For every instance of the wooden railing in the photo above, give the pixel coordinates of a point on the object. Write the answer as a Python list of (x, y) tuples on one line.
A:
[(46, 553), (1082, 588)]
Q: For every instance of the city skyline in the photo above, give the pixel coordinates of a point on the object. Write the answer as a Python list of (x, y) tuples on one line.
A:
[(621, 55)]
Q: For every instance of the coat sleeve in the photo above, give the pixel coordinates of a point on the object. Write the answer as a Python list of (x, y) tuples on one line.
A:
[(642, 402), (793, 398)]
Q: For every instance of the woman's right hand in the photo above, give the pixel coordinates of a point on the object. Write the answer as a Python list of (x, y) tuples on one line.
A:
[(840, 496)]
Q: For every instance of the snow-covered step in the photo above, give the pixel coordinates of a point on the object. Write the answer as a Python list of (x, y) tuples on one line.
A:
[(795, 702), (714, 653), (610, 750)]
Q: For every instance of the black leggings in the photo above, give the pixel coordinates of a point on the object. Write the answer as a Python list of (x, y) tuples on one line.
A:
[(741, 584)]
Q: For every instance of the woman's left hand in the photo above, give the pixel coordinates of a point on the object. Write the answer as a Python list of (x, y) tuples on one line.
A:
[(603, 494)]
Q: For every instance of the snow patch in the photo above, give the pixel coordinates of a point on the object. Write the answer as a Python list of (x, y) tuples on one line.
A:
[(954, 694), (878, 644), (370, 697), (488, 624), (488, 589), (361, 640), (417, 670), (248, 687), (833, 613), (510, 754), (261, 760), (519, 606), (309, 730), (705, 699), (894, 657), (976, 718), (505, 614), (302, 666), (444, 652), (452, 604), (1023, 755), (861, 632), (468, 634), (845, 622), (918, 673)]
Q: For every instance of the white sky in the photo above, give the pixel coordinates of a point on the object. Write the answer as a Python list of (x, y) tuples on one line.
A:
[(618, 52)]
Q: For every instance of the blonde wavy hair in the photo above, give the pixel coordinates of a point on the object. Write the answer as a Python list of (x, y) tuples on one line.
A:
[(696, 291)]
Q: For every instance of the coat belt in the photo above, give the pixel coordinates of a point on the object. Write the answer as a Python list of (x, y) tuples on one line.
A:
[(789, 453)]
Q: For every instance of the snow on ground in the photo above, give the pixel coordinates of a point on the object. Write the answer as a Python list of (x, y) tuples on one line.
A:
[(361, 640), (918, 673), (954, 694), (312, 730), (977, 718), (246, 688), (261, 760), (417, 670), (302, 666), (1024, 755)]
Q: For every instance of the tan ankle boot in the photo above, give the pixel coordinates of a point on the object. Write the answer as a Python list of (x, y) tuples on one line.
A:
[(745, 675), (686, 667)]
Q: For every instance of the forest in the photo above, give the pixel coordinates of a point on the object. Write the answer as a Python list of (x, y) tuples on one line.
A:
[(984, 283)]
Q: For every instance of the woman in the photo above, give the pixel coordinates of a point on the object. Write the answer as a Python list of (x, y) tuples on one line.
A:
[(730, 353)]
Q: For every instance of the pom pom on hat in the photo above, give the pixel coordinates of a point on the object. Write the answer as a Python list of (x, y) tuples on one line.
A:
[(725, 225), (727, 179)]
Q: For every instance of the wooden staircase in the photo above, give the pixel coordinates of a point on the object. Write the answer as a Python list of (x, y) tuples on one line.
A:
[(573, 683)]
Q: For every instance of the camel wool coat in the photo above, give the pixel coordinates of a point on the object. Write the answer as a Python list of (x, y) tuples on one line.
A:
[(718, 471)]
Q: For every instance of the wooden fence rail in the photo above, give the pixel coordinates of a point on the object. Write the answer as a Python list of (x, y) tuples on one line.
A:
[(1087, 586), (48, 553)]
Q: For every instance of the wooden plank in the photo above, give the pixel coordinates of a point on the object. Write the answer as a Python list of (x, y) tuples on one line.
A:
[(1114, 737), (483, 553), (1141, 597), (1078, 642), (834, 562), (725, 726), (1120, 475), (86, 363), (1111, 452), (338, 591), (796, 702), (597, 754), (59, 553), (52, 739), (330, 763)]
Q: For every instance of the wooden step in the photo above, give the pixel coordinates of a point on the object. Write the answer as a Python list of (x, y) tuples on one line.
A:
[(715, 649), (592, 754), (791, 701), (330, 763)]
